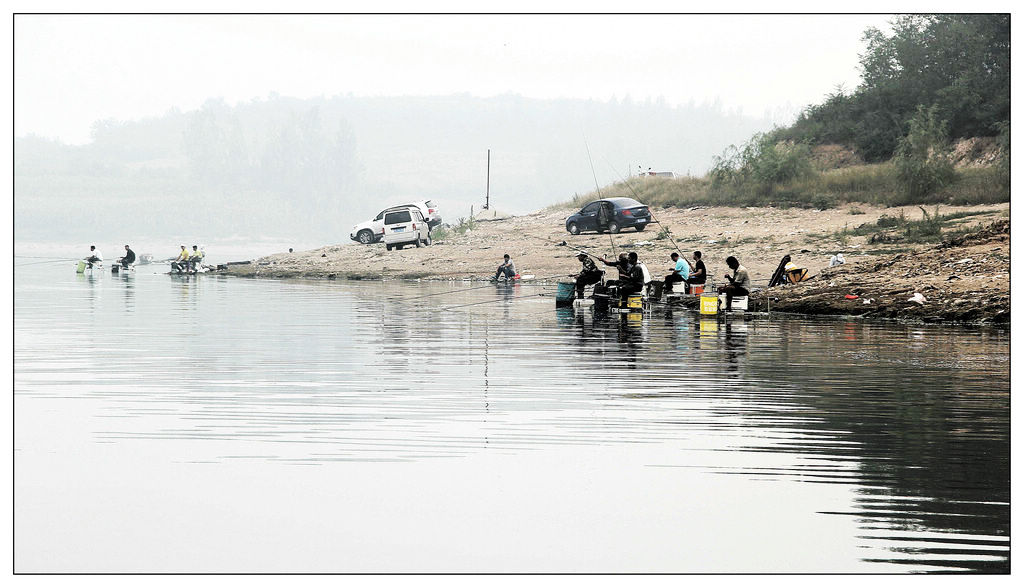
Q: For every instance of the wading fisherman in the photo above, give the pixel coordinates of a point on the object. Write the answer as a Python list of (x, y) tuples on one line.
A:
[(507, 268), (94, 255), (129, 257), (680, 272), (180, 263), (195, 258), (589, 275), (739, 282)]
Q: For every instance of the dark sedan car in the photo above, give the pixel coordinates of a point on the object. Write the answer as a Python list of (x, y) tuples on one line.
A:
[(618, 214)]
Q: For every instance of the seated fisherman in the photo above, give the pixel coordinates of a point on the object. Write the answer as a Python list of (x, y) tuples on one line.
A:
[(633, 283), (699, 276), (507, 268), (589, 275), (129, 257), (94, 255), (739, 282), (621, 264), (195, 258), (180, 263), (680, 272)]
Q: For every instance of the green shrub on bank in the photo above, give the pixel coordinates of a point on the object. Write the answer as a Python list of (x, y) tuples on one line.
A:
[(922, 165)]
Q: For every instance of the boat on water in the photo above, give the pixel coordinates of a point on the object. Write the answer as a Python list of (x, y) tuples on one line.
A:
[(145, 259)]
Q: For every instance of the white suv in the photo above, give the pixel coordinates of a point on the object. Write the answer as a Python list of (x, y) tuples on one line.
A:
[(430, 211), (372, 231), (405, 226)]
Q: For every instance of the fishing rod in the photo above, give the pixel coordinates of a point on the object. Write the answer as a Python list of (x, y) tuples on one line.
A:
[(598, 186), (651, 211), (492, 301), (42, 262)]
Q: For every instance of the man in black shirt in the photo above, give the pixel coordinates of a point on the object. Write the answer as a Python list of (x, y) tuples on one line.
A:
[(129, 257), (699, 275), (633, 283)]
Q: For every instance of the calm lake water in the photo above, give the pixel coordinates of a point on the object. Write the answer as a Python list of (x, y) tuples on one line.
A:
[(214, 424)]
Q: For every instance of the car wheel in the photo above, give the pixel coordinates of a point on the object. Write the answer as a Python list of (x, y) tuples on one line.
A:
[(640, 228), (365, 236), (388, 245), (613, 227), (399, 247), (419, 242), (574, 229), (428, 240)]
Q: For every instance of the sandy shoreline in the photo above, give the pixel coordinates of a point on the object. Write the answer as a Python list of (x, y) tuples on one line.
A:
[(759, 237)]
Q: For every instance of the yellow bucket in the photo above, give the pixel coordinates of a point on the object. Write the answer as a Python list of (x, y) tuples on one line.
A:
[(635, 302), (709, 304)]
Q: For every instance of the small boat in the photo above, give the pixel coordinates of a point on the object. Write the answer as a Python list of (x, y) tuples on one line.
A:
[(145, 258)]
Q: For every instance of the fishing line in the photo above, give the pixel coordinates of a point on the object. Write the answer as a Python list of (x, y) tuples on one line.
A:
[(598, 186), (668, 233), (491, 301), (42, 262)]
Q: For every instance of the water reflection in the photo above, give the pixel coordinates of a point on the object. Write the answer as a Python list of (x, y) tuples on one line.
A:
[(915, 421)]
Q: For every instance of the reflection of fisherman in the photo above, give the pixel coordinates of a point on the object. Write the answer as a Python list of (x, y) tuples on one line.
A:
[(180, 263), (589, 275), (129, 257)]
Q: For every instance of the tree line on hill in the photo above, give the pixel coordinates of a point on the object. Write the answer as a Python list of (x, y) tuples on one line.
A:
[(935, 78)]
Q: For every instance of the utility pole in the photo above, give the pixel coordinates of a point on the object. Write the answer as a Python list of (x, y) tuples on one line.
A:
[(487, 202)]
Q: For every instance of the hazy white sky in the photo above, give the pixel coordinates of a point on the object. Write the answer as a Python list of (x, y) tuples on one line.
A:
[(73, 70)]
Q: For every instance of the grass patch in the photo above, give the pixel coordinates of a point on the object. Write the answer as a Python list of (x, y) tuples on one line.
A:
[(875, 184), (447, 231), (933, 227)]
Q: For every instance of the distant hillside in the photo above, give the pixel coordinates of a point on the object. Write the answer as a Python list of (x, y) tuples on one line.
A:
[(285, 167)]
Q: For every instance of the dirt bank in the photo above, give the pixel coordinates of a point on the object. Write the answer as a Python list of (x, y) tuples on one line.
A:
[(965, 280), (759, 237)]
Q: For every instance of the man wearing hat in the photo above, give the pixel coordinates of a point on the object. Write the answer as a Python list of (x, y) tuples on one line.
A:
[(589, 275)]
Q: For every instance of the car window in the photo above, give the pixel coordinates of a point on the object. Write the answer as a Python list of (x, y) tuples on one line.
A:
[(592, 207), (380, 216), (399, 216), (430, 204)]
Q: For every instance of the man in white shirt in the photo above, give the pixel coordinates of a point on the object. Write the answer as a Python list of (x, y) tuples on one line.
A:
[(94, 255)]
